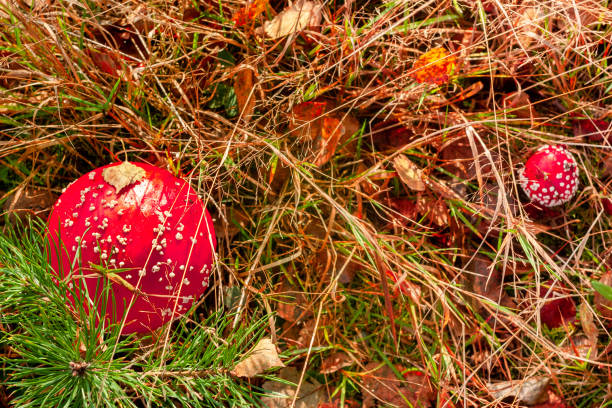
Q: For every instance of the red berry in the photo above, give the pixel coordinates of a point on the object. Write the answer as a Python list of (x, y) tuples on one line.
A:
[(550, 176), (145, 230)]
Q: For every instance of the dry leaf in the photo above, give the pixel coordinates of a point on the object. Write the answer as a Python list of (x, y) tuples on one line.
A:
[(295, 18), (582, 347), (401, 282), (435, 210), (30, 201), (380, 383), (332, 131), (519, 104), (292, 303), (607, 165), (588, 322), (281, 395), (459, 159), (335, 362), (406, 209), (249, 12), (317, 122), (391, 135), (306, 119), (106, 62), (263, 357), (559, 308), (488, 282), (593, 130), (530, 391), (245, 94), (122, 175), (310, 329), (409, 173), (527, 25), (434, 67), (554, 401)]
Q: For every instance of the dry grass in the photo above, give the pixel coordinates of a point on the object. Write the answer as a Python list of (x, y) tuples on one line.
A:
[(314, 243)]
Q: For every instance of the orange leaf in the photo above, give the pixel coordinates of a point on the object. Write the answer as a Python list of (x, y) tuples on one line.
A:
[(249, 12), (325, 128), (244, 81), (434, 67), (331, 132)]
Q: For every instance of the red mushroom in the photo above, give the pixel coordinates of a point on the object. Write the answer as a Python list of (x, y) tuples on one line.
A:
[(143, 229), (550, 176)]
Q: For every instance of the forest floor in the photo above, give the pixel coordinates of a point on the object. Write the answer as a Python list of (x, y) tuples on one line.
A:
[(361, 161)]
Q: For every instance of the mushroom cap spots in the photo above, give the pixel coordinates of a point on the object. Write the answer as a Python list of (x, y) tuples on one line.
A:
[(128, 226), (550, 176)]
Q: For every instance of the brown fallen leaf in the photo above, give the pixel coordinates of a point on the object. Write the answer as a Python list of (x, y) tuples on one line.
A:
[(554, 401), (281, 395), (530, 391), (263, 357), (310, 329), (435, 209), (587, 322), (244, 83), (409, 173), (298, 16), (29, 201), (278, 175), (323, 127), (518, 103), (458, 158), (332, 131), (582, 346), (405, 208), (381, 384), (124, 45), (306, 119), (585, 345), (528, 25), (488, 283), (391, 135), (335, 362), (292, 303)]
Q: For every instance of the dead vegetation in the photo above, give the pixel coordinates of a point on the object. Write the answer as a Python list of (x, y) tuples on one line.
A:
[(360, 159)]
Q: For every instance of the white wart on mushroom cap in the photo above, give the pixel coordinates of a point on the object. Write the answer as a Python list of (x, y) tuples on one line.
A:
[(550, 176), (145, 227)]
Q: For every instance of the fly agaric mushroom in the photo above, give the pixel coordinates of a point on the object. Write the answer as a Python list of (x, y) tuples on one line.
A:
[(550, 176), (144, 230)]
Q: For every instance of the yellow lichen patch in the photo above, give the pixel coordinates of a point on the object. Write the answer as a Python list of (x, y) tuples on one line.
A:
[(434, 67)]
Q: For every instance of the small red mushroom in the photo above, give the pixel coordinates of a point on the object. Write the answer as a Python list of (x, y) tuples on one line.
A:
[(550, 176), (142, 228)]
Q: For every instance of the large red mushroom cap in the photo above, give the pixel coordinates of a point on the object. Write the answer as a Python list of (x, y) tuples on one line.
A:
[(550, 176), (142, 228)]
